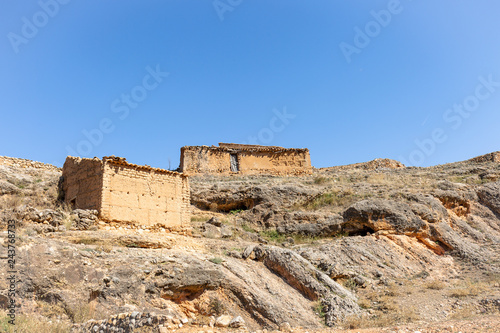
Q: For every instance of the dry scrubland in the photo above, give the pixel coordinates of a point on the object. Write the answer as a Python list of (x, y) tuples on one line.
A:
[(370, 247)]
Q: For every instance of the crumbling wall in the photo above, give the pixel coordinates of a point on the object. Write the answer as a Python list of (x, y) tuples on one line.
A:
[(82, 182), (491, 157), (251, 159), (204, 159), (287, 162), (24, 163), (145, 195)]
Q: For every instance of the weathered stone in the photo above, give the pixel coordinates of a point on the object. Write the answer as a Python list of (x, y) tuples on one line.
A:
[(211, 231), (285, 327), (223, 321), (237, 322), (248, 251), (381, 215), (226, 231), (7, 188), (490, 196), (215, 221)]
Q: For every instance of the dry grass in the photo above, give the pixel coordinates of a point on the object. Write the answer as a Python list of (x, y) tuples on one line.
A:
[(89, 241), (468, 288), (50, 310), (385, 308), (106, 248), (320, 180), (67, 221), (435, 285), (401, 315), (10, 201), (200, 218), (364, 303), (334, 200), (393, 290), (466, 312), (377, 178), (84, 312), (31, 324)]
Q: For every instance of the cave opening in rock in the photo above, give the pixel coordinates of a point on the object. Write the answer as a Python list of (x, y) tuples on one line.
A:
[(227, 207), (364, 231)]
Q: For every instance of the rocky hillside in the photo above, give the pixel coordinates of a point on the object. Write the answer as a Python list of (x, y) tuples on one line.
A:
[(370, 246)]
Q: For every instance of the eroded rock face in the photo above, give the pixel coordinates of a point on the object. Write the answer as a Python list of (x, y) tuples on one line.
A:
[(489, 195), (427, 207), (314, 224), (381, 215), (457, 201), (423, 218), (167, 282), (227, 197), (311, 282)]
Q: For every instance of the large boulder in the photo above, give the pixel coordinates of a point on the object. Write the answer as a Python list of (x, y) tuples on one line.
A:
[(7, 188), (298, 272)]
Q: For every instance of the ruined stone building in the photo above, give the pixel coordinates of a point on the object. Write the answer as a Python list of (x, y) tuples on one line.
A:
[(245, 159), (127, 192)]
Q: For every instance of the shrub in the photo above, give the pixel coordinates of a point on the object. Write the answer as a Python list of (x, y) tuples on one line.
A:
[(247, 228), (320, 180), (273, 236), (350, 284), (319, 309), (435, 285), (216, 306), (216, 260)]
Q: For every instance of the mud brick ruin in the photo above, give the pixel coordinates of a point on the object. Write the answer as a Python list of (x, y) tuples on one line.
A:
[(127, 192), (244, 159)]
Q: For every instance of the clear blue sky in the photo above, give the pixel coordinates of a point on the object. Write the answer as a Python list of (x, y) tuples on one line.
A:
[(417, 81)]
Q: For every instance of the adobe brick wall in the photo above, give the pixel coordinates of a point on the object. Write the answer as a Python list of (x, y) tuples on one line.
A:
[(252, 159), (203, 159), (127, 192), (287, 162), (144, 195), (82, 182)]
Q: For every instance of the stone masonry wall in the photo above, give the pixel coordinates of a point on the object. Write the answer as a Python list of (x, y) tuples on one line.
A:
[(144, 195), (82, 182), (24, 163), (491, 157)]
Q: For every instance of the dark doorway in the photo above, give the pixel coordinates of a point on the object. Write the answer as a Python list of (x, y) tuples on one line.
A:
[(234, 163)]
